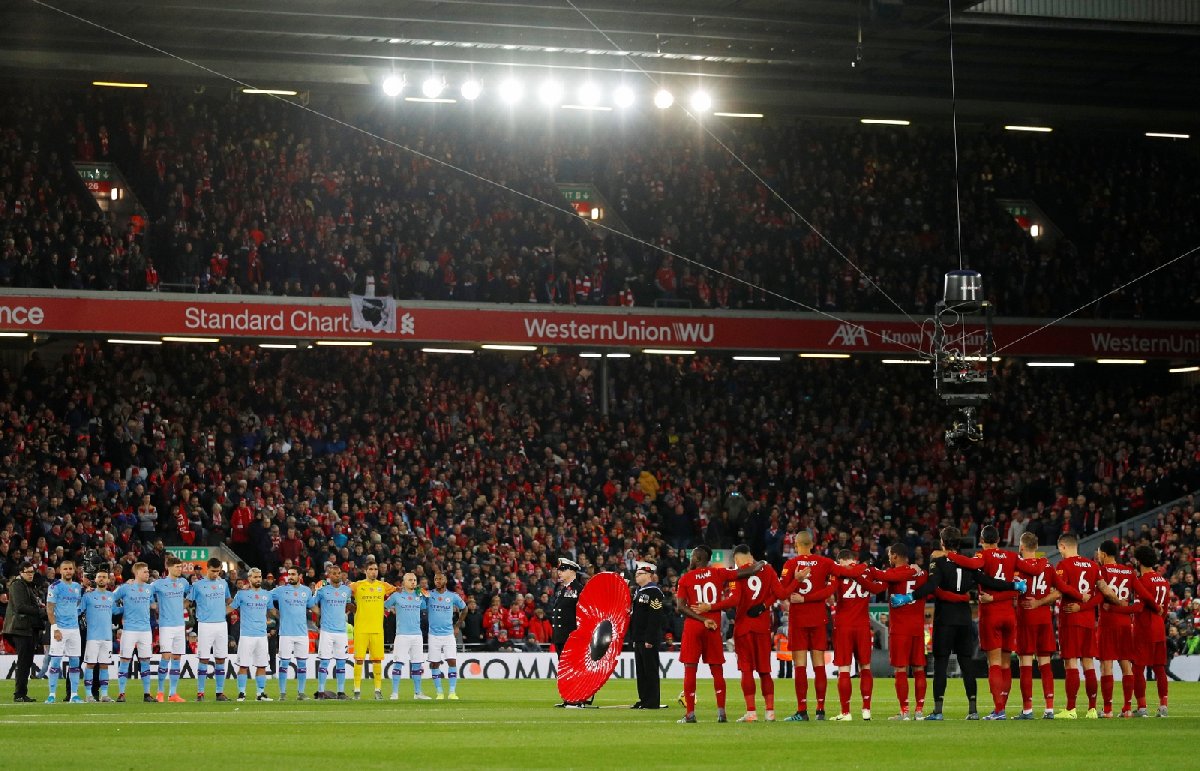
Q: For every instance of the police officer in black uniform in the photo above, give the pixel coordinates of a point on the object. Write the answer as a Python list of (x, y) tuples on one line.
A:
[(645, 633), (562, 605)]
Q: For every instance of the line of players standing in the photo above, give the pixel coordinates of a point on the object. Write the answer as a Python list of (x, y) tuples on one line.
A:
[(212, 602), (1015, 593)]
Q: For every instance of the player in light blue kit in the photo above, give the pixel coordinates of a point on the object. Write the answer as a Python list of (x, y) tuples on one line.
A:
[(408, 647), (291, 600), (169, 593), (332, 601), (210, 601), (62, 610), (252, 604), (443, 608), (135, 597), (99, 606)]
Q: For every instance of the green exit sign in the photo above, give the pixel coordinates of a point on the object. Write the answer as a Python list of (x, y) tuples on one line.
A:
[(190, 553)]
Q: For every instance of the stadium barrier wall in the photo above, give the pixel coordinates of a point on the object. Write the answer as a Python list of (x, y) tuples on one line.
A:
[(490, 666)]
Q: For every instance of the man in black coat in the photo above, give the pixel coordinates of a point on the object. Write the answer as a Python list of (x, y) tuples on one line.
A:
[(645, 633), (562, 606), (23, 625)]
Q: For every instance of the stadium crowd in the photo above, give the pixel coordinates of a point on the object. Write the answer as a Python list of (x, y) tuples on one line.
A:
[(254, 197), (492, 467)]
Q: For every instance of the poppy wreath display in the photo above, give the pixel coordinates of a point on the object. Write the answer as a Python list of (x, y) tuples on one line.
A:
[(591, 652)]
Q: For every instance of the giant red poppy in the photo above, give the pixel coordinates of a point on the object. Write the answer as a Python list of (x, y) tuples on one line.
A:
[(591, 652)]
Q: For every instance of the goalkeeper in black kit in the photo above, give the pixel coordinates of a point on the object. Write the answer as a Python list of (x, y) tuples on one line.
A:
[(953, 631)]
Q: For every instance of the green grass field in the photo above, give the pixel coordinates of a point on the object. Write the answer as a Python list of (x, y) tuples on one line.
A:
[(511, 724)]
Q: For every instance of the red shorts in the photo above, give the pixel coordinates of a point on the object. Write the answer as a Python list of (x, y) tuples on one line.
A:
[(1035, 640), (753, 651), (808, 638), (1150, 654), (998, 633), (906, 651), (1077, 642), (1115, 643), (852, 643), (701, 644)]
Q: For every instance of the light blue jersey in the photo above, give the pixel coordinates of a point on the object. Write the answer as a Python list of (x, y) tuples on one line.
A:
[(66, 596), (99, 606), (169, 594), (331, 601), (408, 607), (441, 612), (292, 602), (253, 604), (135, 602), (210, 598)]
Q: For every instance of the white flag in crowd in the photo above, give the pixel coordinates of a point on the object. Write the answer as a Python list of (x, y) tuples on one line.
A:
[(372, 314)]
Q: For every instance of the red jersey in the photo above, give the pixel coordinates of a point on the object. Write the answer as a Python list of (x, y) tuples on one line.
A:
[(1122, 578), (762, 588), (908, 621), (999, 564), (704, 585), (1079, 574), (1039, 580), (854, 599), (1148, 624), (815, 588)]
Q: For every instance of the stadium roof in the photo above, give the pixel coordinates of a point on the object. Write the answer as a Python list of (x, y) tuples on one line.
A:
[(1016, 59)]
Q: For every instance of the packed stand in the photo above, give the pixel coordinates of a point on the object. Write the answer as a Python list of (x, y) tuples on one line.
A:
[(492, 468), (253, 197)]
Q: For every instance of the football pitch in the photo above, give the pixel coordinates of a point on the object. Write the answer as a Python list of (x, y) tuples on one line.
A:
[(512, 724)]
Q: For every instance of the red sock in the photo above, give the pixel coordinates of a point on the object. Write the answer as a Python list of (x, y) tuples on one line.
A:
[(1160, 679), (1007, 672), (768, 689), (718, 677), (995, 684), (689, 688), (748, 690), (801, 687), (820, 684), (1047, 673), (920, 677), (1127, 692), (1026, 687), (1139, 686), (1089, 681), (844, 690), (1072, 687), (1106, 689), (866, 686), (902, 690)]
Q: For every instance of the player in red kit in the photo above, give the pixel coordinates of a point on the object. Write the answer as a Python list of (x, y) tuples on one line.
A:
[(997, 615), (1114, 639), (906, 629), (702, 584), (807, 622), (852, 639), (1035, 626), (1150, 636), (753, 599), (1077, 623)]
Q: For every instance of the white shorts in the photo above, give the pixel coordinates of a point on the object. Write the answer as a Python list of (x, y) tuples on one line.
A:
[(408, 649), (333, 645), (252, 652), (293, 647), (442, 648), (97, 652), (172, 639), (142, 642), (212, 641), (70, 644)]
